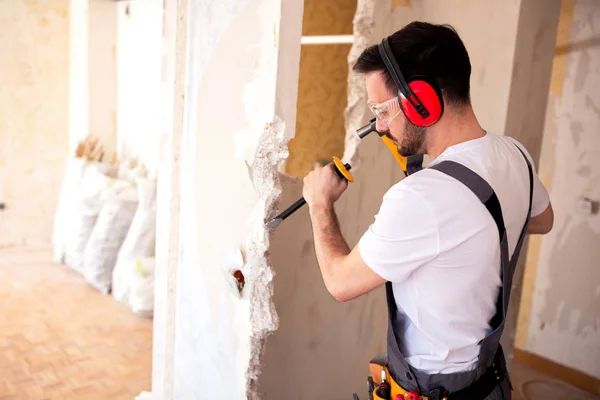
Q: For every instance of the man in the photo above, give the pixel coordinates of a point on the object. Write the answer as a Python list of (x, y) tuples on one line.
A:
[(437, 239)]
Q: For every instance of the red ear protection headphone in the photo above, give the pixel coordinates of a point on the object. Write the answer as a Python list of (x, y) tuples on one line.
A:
[(420, 101)]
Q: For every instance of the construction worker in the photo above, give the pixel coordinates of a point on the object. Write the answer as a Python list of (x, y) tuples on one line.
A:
[(446, 239)]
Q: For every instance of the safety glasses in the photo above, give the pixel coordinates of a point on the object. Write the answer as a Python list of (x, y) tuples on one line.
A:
[(385, 112)]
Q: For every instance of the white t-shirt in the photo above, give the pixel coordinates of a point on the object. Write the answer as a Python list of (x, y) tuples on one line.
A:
[(438, 245)]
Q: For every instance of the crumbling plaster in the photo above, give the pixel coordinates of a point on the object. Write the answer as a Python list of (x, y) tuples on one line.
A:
[(564, 317), (34, 128)]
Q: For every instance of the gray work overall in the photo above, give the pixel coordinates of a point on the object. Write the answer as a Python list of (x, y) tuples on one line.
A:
[(438, 386)]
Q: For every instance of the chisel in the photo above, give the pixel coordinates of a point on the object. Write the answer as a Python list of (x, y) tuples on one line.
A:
[(343, 171)]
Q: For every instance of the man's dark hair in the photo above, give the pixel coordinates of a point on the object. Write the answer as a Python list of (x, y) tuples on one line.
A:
[(421, 48)]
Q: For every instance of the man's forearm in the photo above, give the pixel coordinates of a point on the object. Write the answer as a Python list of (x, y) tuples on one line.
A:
[(330, 246)]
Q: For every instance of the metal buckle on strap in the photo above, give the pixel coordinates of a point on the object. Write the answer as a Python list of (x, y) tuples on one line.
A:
[(438, 394)]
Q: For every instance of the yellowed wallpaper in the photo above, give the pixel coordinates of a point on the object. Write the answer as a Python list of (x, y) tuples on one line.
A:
[(322, 98), (328, 17)]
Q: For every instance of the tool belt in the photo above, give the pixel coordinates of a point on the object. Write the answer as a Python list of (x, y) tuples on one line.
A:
[(480, 389)]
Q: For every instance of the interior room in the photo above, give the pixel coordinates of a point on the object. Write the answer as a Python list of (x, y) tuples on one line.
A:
[(148, 146)]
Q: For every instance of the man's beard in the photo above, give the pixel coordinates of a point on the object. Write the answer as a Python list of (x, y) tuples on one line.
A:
[(414, 139)]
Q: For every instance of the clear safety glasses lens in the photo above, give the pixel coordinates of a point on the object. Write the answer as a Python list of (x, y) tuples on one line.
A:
[(385, 112)]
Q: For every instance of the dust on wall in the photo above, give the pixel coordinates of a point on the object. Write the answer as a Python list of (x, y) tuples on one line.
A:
[(565, 319), (34, 129)]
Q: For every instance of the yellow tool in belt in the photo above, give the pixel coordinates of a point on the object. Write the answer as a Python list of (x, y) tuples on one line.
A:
[(387, 388)]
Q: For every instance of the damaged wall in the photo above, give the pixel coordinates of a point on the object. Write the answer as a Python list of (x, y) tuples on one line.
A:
[(323, 346), (34, 128), (236, 73), (564, 318)]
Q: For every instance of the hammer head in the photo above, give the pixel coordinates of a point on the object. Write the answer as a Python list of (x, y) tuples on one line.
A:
[(368, 128)]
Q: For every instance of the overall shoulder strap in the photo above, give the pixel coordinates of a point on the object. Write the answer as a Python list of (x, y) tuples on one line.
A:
[(488, 197), (524, 230), (479, 187), (515, 256)]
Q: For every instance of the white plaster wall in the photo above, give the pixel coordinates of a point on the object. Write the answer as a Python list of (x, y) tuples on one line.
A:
[(34, 127), (241, 74), (322, 347), (167, 223), (102, 75), (139, 56), (565, 317)]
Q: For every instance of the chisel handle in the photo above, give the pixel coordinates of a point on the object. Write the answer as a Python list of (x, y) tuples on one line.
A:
[(342, 171)]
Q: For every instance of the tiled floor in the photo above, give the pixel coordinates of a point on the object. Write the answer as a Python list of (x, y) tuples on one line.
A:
[(61, 339)]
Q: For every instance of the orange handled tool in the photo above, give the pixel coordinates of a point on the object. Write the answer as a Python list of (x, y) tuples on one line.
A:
[(409, 165)]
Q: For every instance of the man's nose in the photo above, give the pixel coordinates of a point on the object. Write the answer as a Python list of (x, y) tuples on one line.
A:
[(380, 126)]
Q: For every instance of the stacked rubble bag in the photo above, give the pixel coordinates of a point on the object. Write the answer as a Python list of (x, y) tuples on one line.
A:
[(79, 202), (118, 204), (133, 275), (101, 222)]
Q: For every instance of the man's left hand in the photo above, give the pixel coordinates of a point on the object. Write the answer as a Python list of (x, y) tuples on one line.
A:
[(322, 186)]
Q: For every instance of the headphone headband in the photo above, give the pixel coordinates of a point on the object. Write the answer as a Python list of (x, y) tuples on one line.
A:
[(392, 66)]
